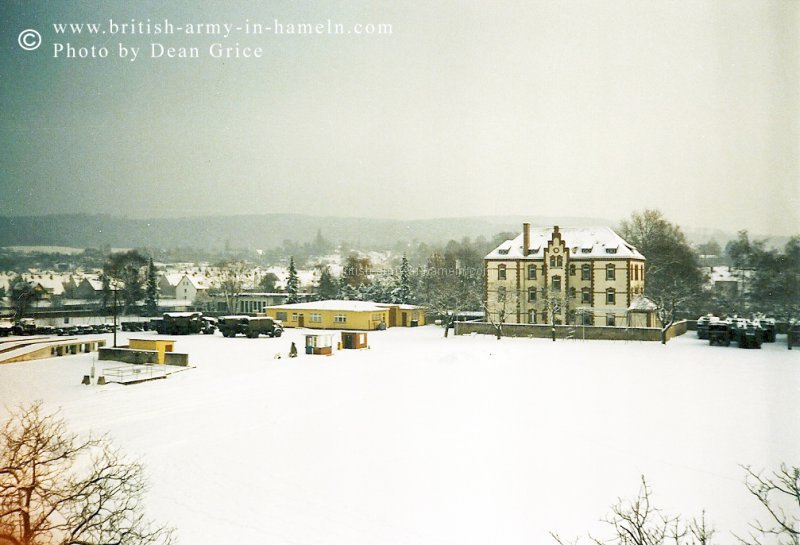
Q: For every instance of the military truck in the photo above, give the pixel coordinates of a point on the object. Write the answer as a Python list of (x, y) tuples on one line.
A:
[(793, 334), (250, 326), (24, 326), (719, 333), (6, 326), (182, 323), (749, 335), (768, 327), (158, 325), (702, 325), (209, 325)]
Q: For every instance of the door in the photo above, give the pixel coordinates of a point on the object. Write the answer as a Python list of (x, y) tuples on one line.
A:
[(300, 320)]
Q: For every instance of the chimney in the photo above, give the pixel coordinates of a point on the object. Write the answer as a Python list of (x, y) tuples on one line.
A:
[(526, 239)]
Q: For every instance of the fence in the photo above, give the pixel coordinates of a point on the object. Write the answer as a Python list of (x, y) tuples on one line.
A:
[(134, 373)]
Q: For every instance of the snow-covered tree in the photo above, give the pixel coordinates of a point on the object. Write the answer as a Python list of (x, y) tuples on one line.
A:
[(402, 292), (292, 283), (673, 279), (327, 288)]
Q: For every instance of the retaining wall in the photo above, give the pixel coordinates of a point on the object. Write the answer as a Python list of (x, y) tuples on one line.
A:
[(572, 331)]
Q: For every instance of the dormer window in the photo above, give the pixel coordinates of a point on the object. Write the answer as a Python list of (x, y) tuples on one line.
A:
[(611, 250), (503, 251), (586, 250)]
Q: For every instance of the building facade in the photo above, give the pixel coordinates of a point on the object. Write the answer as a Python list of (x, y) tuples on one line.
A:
[(582, 276)]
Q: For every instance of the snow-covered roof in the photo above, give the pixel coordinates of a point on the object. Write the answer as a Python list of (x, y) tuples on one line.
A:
[(334, 304), (583, 242), (642, 303), (172, 278), (199, 282), (401, 306)]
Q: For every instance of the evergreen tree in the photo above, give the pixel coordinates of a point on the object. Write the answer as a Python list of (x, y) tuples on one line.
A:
[(292, 283), (151, 292), (327, 288), (402, 294)]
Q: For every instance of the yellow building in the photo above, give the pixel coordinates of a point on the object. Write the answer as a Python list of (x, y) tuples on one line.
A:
[(586, 275), (404, 315), (332, 314), (161, 346)]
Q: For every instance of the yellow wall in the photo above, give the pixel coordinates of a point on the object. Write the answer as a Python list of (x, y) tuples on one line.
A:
[(161, 345), (362, 320)]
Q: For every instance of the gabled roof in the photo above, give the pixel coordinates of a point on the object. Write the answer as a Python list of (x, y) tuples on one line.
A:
[(583, 242)]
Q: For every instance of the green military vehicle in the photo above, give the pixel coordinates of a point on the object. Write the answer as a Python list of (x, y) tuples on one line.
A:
[(749, 335), (183, 323), (249, 326), (702, 325), (719, 333)]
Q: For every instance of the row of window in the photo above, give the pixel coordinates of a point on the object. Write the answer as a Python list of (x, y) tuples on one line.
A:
[(586, 270), (584, 318), (586, 295), (315, 317)]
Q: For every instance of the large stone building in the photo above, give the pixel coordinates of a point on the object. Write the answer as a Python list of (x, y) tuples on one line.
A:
[(586, 275)]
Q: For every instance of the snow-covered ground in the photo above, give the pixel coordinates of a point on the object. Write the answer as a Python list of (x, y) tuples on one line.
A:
[(426, 440)]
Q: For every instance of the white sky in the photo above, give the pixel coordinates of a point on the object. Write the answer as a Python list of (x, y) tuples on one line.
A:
[(468, 108)]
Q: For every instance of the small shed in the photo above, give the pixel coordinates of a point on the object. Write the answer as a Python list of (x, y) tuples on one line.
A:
[(320, 344), (354, 339), (159, 345)]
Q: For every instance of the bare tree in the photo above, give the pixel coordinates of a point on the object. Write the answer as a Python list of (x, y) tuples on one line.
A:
[(506, 301), (639, 522), (779, 493), (56, 489), (230, 282)]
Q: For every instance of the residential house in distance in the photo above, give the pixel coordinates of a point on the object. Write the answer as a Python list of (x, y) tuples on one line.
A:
[(586, 276), (191, 287)]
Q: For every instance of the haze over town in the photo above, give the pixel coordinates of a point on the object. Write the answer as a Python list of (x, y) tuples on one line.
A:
[(541, 108)]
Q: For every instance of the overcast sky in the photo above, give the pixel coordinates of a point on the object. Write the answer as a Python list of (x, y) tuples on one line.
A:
[(469, 108)]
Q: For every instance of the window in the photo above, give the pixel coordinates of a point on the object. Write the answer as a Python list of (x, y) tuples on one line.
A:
[(611, 272), (556, 262), (586, 272), (316, 317), (560, 261), (611, 320), (501, 272), (531, 272), (501, 293), (586, 250), (294, 316), (611, 296), (555, 283), (340, 318), (586, 295), (532, 317), (611, 250), (572, 269), (544, 316), (573, 293), (552, 261), (532, 295), (587, 318)]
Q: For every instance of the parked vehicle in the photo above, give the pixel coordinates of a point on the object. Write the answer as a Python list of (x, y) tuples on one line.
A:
[(702, 325), (768, 327), (158, 325), (250, 326), (209, 325), (749, 335), (6, 327), (24, 326), (719, 333), (183, 323), (793, 334)]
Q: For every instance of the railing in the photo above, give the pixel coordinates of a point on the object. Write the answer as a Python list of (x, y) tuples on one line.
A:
[(134, 373)]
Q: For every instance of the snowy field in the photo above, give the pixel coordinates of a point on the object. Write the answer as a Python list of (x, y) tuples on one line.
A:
[(425, 440)]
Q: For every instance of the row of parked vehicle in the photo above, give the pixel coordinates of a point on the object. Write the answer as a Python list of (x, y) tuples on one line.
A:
[(188, 323), (745, 333), (27, 326)]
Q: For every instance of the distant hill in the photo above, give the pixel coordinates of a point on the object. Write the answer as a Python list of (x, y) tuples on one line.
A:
[(251, 231)]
